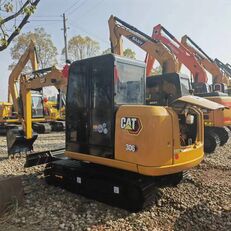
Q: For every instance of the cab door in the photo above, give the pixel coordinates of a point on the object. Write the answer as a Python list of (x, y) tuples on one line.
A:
[(101, 108)]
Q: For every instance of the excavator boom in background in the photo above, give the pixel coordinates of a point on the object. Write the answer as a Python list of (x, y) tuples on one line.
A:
[(181, 53), (219, 79), (162, 54)]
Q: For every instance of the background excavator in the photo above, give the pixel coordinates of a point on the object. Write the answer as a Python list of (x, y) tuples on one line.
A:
[(30, 86), (225, 68), (220, 80), (215, 131), (9, 111)]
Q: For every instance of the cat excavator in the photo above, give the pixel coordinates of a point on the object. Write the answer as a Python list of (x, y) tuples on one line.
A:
[(120, 145), (216, 132), (116, 151)]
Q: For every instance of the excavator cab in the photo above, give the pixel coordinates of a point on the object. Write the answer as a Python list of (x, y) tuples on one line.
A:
[(162, 90), (37, 105), (93, 99)]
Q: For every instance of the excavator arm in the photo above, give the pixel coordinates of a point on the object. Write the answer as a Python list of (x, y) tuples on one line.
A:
[(154, 48), (182, 54), (207, 62), (29, 55)]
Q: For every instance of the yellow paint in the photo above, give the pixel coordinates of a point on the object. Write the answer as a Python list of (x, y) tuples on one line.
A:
[(159, 151), (219, 118), (28, 115)]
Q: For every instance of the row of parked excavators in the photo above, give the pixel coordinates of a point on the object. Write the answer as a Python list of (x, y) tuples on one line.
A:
[(127, 130)]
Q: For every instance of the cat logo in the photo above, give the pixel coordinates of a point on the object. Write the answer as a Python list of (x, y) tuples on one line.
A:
[(131, 124)]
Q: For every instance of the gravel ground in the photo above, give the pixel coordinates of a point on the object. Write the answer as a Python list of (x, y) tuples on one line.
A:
[(201, 202)]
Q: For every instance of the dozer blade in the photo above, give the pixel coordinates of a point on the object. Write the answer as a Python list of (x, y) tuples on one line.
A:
[(17, 142), (44, 157)]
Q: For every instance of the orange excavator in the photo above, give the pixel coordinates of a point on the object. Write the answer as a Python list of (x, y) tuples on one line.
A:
[(219, 78), (215, 122)]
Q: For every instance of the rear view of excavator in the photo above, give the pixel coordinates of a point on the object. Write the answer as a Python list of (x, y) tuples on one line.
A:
[(119, 145)]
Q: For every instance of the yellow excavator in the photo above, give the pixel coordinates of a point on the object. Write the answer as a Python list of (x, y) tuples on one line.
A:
[(31, 109), (9, 111), (120, 144)]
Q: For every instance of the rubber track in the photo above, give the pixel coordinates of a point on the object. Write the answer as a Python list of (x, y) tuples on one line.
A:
[(116, 187)]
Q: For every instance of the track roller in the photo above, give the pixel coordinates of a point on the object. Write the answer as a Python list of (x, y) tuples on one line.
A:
[(211, 140), (42, 128), (57, 126)]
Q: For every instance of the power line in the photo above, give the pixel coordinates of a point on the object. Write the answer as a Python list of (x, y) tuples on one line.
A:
[(45, 16), (74, 10), (93, 7), (73, 5)]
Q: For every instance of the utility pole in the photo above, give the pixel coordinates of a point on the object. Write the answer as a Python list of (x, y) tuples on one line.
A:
[(65, 36)]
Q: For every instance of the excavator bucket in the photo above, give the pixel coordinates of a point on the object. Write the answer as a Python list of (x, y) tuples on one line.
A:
[(17, 142)]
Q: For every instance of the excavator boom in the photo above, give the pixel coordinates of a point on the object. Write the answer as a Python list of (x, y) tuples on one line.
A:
[(29, 55), (154, 48), (207, 62), (182, 54)]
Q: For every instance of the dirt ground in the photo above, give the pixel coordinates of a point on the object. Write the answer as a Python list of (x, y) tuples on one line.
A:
[(201, 202)]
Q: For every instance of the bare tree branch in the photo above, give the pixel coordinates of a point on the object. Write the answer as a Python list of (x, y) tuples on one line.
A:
[(16, 14), (20, 26)]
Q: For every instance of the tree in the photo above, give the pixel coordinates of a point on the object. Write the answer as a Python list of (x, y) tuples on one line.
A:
[(107, 51), (129, 53), (46, 51), (9, 26), (82, 47)]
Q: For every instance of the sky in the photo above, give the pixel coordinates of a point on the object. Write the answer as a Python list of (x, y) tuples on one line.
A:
[(207, 22)]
